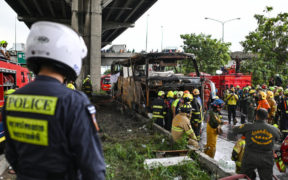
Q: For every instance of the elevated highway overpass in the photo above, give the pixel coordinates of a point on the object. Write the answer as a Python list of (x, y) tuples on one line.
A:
[(98, 21)]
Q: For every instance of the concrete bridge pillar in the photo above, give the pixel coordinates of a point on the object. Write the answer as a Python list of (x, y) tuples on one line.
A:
[(95, 43)]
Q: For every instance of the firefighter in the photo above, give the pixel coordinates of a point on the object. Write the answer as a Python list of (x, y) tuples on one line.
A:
[(243, 104), (212, 127), (279, 100), (272, 103), (260, 138), (3, 51), (158, 109), (177, 103), (181, 125), (58, 137), (284, 115), (87, 86), (207, 94), (169, 113), (197, 114), (263, 103), (251, 105), (237, 153), (231, 100)]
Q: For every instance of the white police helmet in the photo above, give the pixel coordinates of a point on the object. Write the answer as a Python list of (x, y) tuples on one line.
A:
[(56, 42)]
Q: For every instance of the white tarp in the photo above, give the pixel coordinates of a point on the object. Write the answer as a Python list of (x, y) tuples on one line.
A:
[(114, 78)]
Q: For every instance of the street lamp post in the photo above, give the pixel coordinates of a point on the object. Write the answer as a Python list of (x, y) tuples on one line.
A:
[(161, 38), (222, 22), (147, 33)]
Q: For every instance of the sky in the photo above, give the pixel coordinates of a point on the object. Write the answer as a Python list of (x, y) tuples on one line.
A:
[(172, 18)]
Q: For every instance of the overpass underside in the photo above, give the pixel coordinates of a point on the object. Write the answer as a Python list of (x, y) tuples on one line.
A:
[(98, 21)]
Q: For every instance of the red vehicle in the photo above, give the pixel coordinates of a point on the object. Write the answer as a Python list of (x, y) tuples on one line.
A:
[(11, 75), (105, 83), (228, 79)]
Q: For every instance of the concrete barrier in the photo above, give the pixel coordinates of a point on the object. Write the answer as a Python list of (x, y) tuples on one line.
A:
[(204, 160)]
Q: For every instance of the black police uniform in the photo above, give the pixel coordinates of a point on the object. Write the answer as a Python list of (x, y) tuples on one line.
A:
[(260, 138), (51, 134)]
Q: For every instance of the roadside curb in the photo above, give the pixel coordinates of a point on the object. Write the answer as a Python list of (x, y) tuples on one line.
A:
[(204, 160), (3, 164)]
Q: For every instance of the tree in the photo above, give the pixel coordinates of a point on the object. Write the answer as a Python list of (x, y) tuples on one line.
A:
[(270, 42), (108, 71), (211, 54)]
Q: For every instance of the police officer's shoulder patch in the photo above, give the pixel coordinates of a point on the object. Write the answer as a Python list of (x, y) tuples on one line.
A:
[(92, 111)]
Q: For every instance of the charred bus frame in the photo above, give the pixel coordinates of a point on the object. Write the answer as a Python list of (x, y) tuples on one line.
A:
[(142, 76)]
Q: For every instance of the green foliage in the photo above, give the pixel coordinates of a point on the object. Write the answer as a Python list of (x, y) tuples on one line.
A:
[(211, 54), (125, 159), (270, 42), (108, 71)]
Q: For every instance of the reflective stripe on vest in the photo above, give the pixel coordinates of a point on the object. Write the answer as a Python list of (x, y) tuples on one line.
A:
[(190, 131), (177, 129), (157, 107), (157, 116)]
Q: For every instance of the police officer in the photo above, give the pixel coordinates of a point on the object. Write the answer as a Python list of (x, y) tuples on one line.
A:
[(260, 138), (251, 105), (51, 129)]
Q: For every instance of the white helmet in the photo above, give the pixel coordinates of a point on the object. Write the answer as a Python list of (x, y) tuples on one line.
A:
[(57, 42)]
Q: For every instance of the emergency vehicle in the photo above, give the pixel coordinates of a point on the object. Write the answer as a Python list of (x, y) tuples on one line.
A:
[(105, 83), (11, 75), (227, 79)]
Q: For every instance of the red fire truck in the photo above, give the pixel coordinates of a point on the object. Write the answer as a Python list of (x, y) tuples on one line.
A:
[(11, 75), (227, 79), (105, 83)]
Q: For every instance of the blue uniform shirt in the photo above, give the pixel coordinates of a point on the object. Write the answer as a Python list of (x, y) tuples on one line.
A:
[(50, 132)]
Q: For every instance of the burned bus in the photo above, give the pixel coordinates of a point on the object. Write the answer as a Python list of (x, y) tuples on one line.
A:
[(137, 80)]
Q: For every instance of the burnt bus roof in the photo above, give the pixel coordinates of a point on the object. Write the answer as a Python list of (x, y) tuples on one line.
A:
[(140, 59)]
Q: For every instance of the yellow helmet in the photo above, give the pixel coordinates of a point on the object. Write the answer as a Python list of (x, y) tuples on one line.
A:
[(286, 92), (279, 89), (188, 97), (170, 94), (161, 93), (196, 92), (263, 94), (270, 94), (252, 91)]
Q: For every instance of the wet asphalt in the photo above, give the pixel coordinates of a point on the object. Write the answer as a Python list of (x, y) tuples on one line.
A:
[(225, 146)]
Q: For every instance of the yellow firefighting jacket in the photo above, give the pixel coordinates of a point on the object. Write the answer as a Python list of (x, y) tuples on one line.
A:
[(238, 152), (273, 106), (180, 126)]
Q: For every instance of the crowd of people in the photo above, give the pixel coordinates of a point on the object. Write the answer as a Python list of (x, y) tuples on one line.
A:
[(263, 111), (249, 99)]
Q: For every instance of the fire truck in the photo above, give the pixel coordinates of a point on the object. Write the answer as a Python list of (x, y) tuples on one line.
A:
[(227, 79), (105, 83), (11, 75)]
